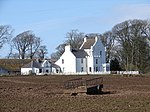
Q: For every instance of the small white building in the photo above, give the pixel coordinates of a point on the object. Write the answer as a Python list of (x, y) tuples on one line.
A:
[(38, 67), (89, 58), (45, 67), (30, 68)]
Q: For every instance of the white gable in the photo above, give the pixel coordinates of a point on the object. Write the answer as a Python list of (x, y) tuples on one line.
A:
[(67, 61), (46, 64)]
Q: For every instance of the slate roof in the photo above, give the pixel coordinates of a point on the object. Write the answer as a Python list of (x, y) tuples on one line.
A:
[(53, 63), (89, 42), (31, 64), (79, 53), (55, 66)]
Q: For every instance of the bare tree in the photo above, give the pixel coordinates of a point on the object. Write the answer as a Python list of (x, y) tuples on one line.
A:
[(34, 45), (108, 39), (60, 50), (10, 52), (74, 39), (13, 56), (26, 43), (5, 34), (42, 51)]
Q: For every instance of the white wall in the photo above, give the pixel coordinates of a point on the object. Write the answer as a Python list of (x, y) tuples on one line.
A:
[(46, 67), (90, 63), (26, 71), (69, 64), (35, 70), (89, 59)]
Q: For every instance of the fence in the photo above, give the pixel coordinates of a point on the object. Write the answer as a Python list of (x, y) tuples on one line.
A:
[(84, 73), (128, 72), (93, 73)]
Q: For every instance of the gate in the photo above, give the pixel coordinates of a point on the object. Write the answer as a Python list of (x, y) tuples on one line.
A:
[(80, 85)]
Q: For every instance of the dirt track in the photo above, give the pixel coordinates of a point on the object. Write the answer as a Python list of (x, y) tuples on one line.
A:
[(45, 94)]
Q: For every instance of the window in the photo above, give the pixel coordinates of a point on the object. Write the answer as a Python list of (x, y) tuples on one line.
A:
[(100, 53), (81, 69), (82, 60), (47, 71), (96, 61), (40, 70), (90, 69), (30, 72), (62, 61), (96, 69)]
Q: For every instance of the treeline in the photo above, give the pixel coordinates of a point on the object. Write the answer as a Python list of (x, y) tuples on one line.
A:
[(130, 45), (127, 44)]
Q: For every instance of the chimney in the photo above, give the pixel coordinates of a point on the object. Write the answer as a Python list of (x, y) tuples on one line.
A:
[(67, 48), (96, 38), (85, 39)]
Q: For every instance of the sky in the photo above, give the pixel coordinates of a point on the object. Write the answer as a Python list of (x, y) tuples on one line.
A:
[(52, 19)]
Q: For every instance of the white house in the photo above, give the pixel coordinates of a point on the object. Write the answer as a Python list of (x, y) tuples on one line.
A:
[(38, 67), (45, 67), (72, 61), (89, 58), (31, 67)]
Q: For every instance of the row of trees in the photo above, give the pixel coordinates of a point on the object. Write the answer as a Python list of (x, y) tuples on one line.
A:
[(132, 44), (127, 44), (24, 45)]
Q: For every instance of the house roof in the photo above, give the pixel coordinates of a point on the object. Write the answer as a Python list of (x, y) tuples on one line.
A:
[(13, 64), (53, 63), (79, 53), (55, 66), (89, 42), (31, 64)]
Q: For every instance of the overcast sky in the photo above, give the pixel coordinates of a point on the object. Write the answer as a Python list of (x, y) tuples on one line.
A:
[(52, 19)]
